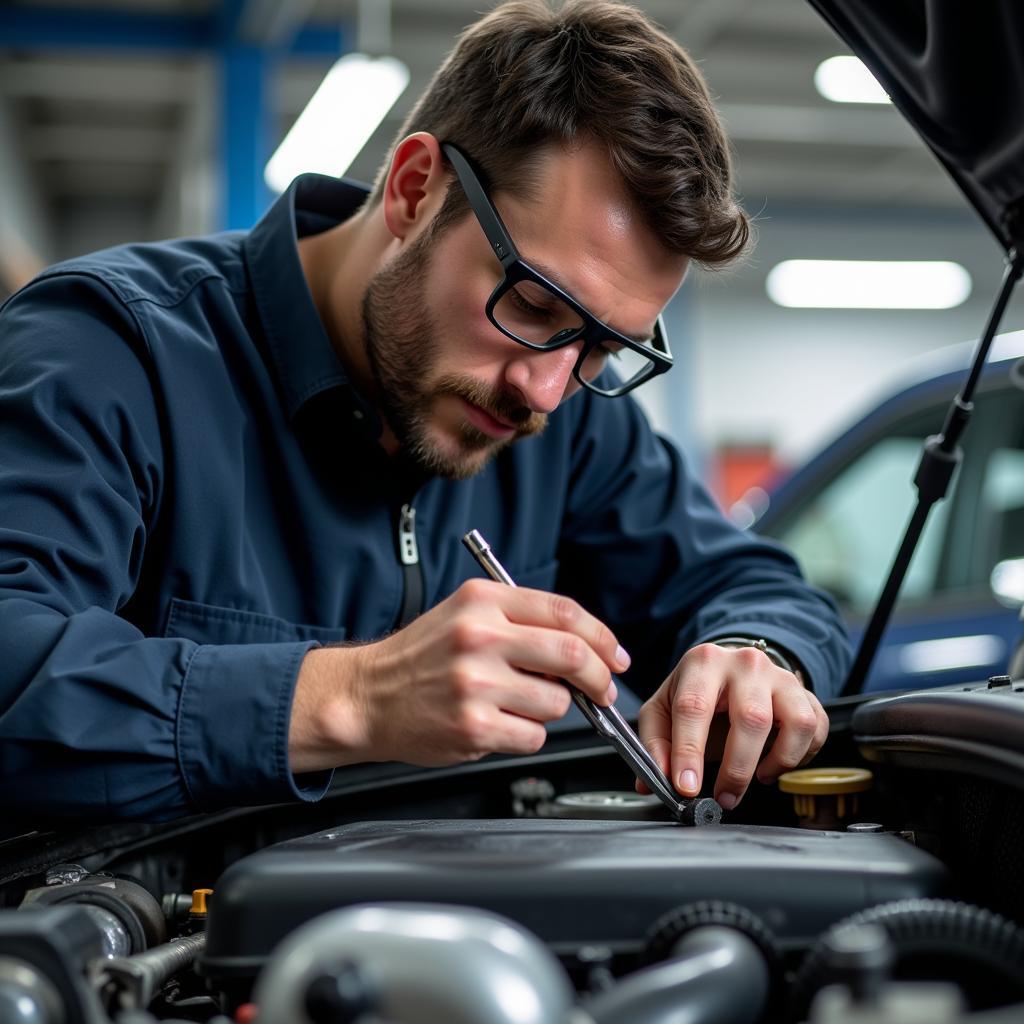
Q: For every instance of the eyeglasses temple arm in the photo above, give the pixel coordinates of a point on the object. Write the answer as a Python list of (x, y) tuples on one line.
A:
[(490, 220)]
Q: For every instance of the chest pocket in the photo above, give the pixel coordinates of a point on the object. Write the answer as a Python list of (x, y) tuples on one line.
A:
[(210, 624)]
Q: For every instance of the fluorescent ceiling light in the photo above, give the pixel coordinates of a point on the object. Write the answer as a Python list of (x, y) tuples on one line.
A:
[(338, 121), (847, 80), (868, 284)]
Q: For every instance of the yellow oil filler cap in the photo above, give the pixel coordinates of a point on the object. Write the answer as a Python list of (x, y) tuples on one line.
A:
[(199, 898), (826, 798)]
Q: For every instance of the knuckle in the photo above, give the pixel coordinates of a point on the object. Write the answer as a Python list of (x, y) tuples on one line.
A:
[(692, 704), (471, 591), (688, 751), (468, 634), (473, 729), (754, 717), (805, 723), (464, 680), (704, 654), (790, 758), (750, 658), (734, 778), (564, 611), (572, 652)]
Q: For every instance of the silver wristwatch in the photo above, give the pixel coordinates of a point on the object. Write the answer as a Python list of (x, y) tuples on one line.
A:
[(775, 656)]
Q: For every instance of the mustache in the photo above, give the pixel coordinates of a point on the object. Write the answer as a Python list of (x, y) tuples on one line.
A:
[(501, 405)]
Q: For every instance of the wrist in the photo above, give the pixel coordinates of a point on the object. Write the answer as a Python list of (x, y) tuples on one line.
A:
[(329, 721)]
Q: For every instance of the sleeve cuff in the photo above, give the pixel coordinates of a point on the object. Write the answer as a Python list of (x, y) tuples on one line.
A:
[(232, 727)]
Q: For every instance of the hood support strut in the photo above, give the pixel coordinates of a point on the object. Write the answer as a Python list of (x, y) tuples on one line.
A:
[(942, 454)]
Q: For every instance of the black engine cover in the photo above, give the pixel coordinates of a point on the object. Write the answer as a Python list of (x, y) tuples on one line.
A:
[(572, 883)]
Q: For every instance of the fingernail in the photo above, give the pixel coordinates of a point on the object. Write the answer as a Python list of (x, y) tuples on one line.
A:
[(688, 780), (611, 693), (622, 657), (728, 801)]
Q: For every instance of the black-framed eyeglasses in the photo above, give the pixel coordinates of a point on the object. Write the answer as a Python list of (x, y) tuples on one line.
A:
[(534, 311)]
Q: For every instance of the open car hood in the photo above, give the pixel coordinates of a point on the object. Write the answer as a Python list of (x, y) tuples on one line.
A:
[(956, 73)]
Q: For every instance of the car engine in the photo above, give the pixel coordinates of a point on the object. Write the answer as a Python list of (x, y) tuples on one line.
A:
[(544, 890)]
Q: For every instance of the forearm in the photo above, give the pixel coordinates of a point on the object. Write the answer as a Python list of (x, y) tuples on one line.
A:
[(100, 722)]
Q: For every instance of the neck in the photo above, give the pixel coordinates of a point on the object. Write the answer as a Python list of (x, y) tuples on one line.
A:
[(338, 265)]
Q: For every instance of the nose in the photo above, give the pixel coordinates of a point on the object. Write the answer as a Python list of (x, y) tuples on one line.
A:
[(544, 379)]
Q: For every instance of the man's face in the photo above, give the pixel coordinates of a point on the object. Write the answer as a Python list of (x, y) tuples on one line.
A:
[(453, 389)]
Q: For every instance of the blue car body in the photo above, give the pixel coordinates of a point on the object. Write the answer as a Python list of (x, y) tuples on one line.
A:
[(949, 625)]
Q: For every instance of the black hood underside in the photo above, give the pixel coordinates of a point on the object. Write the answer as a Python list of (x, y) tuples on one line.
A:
[(956, 72)]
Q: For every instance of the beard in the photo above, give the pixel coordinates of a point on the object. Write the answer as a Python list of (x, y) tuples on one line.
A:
[(402, 349)]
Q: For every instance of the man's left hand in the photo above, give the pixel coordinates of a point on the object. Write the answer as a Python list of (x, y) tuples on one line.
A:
[(754, 696)]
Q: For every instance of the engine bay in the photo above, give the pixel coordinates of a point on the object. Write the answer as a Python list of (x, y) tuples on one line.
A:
[(423, 895)]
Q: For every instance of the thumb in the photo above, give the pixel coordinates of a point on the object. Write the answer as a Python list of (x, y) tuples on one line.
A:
[(655, 731)]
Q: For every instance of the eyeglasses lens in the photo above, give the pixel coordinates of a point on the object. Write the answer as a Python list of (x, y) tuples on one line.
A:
[(534, 314)]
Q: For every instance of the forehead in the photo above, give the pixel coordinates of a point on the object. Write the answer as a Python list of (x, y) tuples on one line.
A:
[(585, 227)]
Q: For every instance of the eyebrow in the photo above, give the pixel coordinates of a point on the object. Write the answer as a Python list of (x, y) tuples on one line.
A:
[(553, 276)]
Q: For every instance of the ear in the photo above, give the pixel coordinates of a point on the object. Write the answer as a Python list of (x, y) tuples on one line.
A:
[(415, 186)]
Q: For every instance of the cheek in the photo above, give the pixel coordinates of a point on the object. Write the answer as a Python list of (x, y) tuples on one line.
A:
[(456, 295)]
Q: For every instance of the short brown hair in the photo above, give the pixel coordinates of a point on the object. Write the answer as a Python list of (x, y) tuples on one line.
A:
[(526, 76)]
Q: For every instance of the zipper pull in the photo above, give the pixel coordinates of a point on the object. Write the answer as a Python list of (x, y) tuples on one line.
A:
[(408, 552)]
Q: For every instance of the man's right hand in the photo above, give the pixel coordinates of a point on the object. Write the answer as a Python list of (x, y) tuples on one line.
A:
[(466, 678)]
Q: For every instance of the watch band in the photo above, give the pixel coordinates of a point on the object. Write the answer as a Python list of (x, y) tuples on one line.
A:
[(775, 656)]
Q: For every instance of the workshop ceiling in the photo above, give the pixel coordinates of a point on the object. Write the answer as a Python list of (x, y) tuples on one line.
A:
[(98, 128)]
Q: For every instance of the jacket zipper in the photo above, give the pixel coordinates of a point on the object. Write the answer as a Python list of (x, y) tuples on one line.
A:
[(409, 556)]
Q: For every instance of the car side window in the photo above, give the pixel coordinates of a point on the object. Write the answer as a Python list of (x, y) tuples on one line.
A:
[(846, 534), (1003, 499), (998, 527)]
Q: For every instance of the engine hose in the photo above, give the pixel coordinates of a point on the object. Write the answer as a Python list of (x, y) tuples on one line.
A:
[(932, 940), (668, 929), (716, 976)]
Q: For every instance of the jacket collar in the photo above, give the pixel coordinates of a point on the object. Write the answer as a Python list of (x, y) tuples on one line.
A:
[(303, 356)]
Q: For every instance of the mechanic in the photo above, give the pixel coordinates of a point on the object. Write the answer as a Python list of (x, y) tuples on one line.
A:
[(235, 471)]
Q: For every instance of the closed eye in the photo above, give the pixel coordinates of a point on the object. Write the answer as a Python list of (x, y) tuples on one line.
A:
[(525, 306)]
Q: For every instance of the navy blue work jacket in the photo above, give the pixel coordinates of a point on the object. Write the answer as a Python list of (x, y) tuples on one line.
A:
[(192, 496)]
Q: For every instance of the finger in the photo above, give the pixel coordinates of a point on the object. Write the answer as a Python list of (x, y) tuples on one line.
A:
[(567, 656), (553, 611), (529, 696), (484, 729), (820, 732), (797, 724), (516, 735), (750, 721), (693, 705), (654, 727)]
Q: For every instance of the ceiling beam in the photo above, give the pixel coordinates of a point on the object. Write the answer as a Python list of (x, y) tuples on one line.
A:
[(769, 122), (86, 78), (92, 144), (71, 28), (102, 180)]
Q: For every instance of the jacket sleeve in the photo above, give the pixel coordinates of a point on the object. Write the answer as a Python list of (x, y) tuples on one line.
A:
[(96, 719), (645, 546)]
